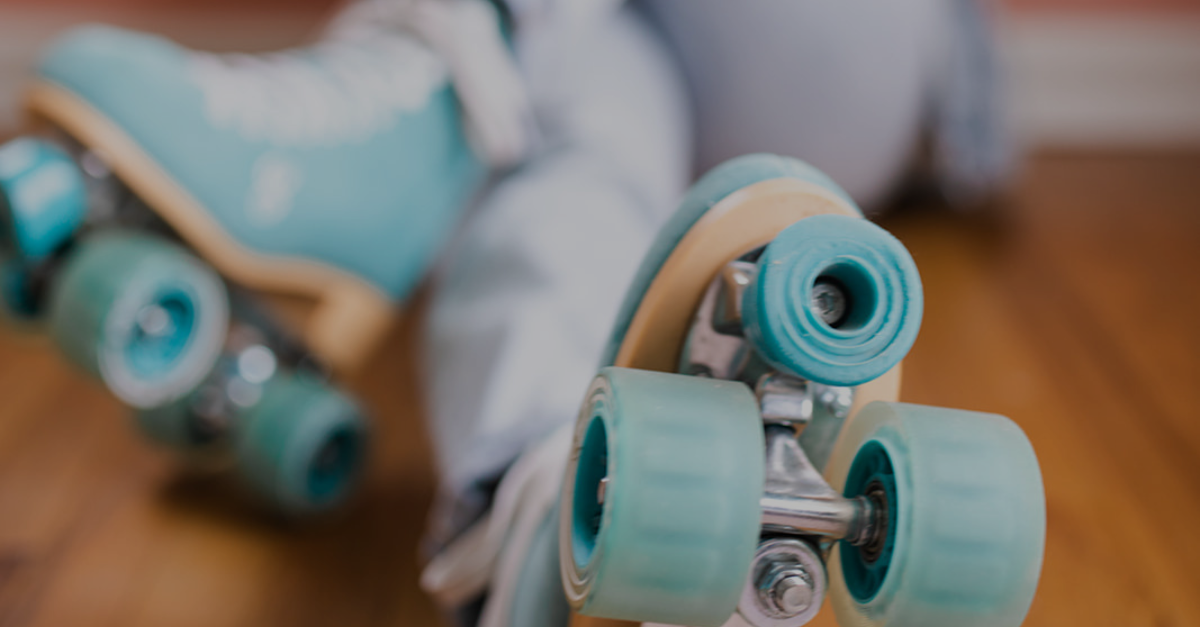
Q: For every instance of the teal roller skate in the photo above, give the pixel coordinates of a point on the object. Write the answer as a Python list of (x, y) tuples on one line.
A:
[(188, 215), (742, 455)]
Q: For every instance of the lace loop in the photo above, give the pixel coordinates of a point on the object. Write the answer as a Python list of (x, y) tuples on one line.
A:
[(466, 34), (378, 58)]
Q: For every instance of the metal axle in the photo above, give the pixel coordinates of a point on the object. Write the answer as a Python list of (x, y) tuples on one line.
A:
[(797, 500)]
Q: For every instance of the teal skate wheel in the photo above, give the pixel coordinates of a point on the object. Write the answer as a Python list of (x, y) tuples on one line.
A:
[(141, 314), (707, 193), (302, 446), (43, 199), (837, 300), (660, 510), (964, 522)]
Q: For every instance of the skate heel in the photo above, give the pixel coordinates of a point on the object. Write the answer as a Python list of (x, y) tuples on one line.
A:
[(347, 323)]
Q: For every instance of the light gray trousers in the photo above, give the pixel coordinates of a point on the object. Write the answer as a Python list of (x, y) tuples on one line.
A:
[(528, 292)]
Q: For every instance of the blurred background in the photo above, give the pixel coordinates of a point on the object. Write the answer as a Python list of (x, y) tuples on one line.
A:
[(1069, 305), (1083, 73)]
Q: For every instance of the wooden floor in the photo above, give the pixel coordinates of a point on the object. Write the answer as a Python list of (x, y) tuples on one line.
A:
[(1074, 311)]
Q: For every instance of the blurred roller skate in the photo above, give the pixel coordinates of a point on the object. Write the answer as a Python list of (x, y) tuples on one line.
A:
[(213, 235)]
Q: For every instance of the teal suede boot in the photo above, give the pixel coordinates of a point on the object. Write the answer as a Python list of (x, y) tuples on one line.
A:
[(213, 235), (340, 167)]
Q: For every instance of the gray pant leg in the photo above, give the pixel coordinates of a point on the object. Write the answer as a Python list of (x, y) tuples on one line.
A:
[(529, 292)]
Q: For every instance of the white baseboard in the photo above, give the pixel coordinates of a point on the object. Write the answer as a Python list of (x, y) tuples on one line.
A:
[(1073, 82), (1114, 82)]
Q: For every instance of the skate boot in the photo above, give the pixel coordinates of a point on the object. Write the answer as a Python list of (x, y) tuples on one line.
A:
[(742, 456), (213, 235)]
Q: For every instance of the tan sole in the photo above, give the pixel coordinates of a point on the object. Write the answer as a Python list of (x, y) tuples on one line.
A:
[(346, 316), (746, 219)]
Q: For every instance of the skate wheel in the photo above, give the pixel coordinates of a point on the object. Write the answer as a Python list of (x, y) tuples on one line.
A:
[(141, 314), (738, 206), (302, 445), (42, 198), (837, 300), (660, 510), (965, 519)]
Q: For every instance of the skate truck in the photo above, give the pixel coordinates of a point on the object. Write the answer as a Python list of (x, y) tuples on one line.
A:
[(742, 456), (215, 237)]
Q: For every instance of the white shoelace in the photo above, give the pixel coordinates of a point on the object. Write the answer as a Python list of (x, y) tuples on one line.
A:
[(467, 34), (369, 69)]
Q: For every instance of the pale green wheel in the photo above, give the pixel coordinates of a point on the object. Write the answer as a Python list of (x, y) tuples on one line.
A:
[(660, 513), (836, 300), (965, 519), (303, 445), (141, 314)]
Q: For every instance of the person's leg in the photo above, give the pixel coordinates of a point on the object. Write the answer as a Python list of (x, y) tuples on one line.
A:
[(854, 88), (842, 85), (524, 305)]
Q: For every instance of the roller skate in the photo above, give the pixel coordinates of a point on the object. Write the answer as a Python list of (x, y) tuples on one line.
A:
[(742, 456), (215, 236)]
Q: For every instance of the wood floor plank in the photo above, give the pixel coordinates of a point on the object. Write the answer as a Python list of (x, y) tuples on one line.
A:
[(1072, 312), (1120, 469)]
